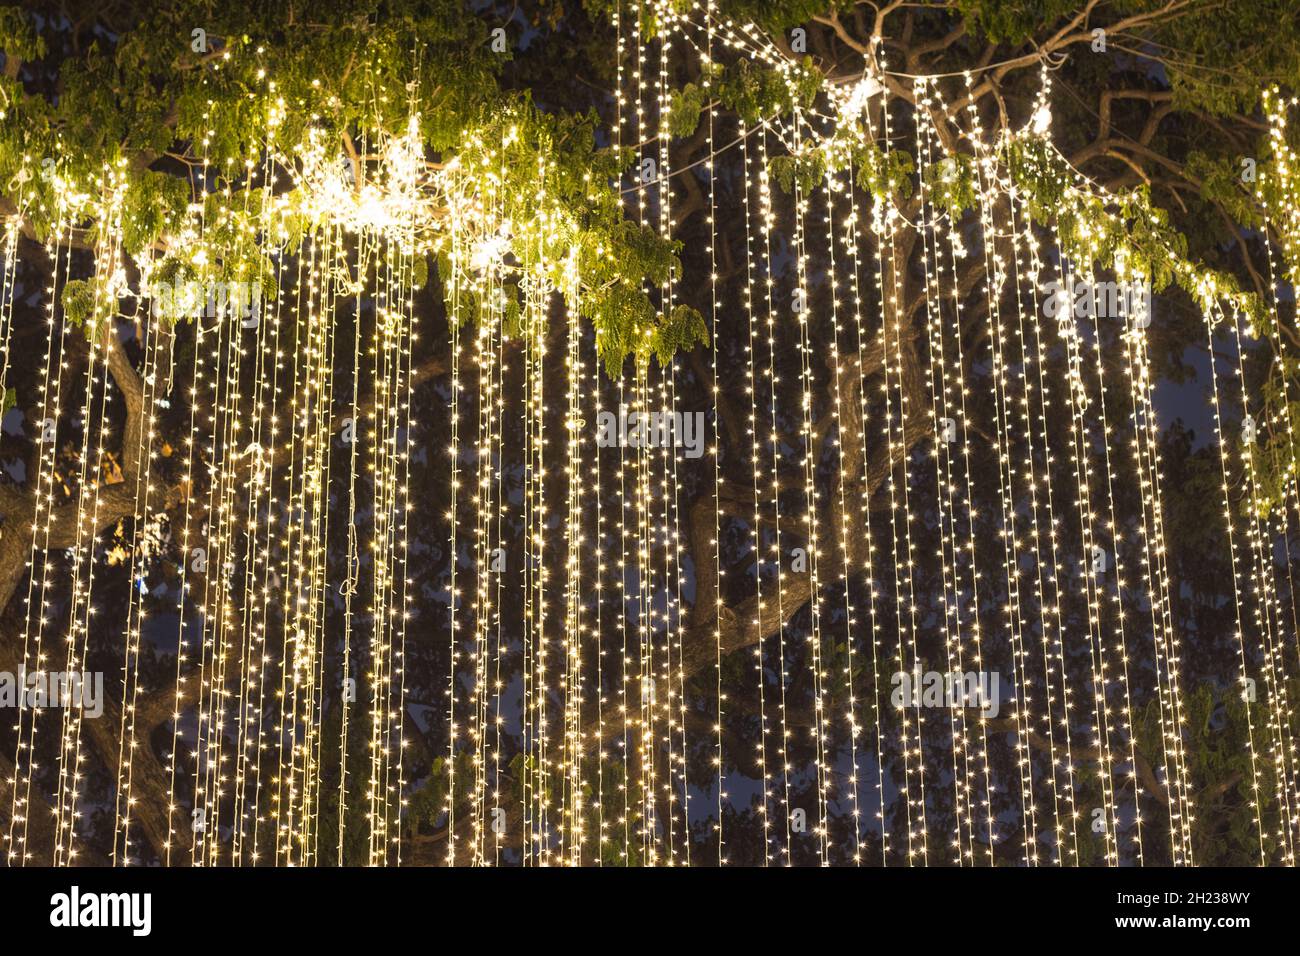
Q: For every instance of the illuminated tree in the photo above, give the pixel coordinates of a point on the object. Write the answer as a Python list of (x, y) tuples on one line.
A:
[(454, 241)]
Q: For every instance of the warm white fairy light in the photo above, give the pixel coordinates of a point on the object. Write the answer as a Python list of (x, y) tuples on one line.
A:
[(487, 448), (573, 810), (1095, 556), (1034, 431), (599, 546), (1004, 441), (1022, 716), (756, 472), (627, 665), (270, 312), (90, 479), (1119, 648), (884, 223), (768, 219), (994, 273), (51, 412), (1109, 657), (1213, 314), (453, 560), (1262, 567), (872, 632), (276, 568), (399, 610), (715, 452), (189, 533), (993, 266), (1156, 575), (1182, 819), (844, 441), (629, 117), (882, 226), (220, 534), (499, 650), (349, 585), (227, 444), (256, 457), (811, 507), (390, 416), (940, 410), (536, 690), (641, 680), (296, 785), (482, 602), (380, 454), (261, 755), (1056, 686), (404, 424), (143, 454), (672, 702), (602, 540), (304, 786), (210, 564), (1100, 559), (9, 276), (1282, 223)]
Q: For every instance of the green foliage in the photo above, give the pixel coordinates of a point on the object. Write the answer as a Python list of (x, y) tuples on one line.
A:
[(349, 77), (685, 106), (1217, 57), (80, 306), (1012, 23), (616, 258), (1223, 56), (779, 15), (420, 272), (756, 92), (772, 15), (18, 36), (884, 173), (427, 804), (1221, 183), (355, 833), (682, 331), (952, 184), (155, 205), (1219, 727), (1128, 229), (625, 318), (1275, 457), (805, 171)]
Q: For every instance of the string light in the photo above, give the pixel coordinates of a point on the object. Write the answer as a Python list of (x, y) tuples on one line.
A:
[(756, 523), (266, 765), (1212, 315)]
